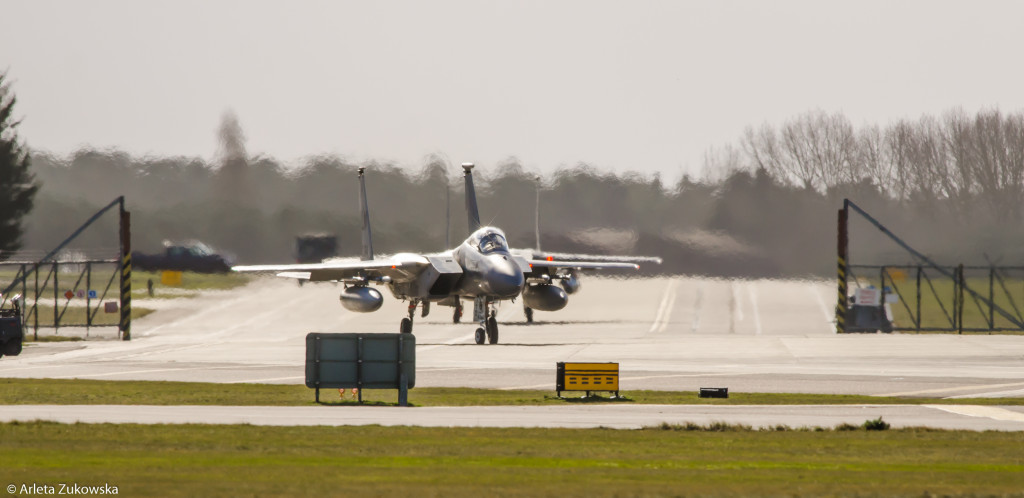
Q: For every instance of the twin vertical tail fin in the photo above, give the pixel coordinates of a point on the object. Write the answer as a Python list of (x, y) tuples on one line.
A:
[(471, 209), (364, 214), (537, 213)]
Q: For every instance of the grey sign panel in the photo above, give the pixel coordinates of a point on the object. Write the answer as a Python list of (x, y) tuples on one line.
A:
[(365, 361)]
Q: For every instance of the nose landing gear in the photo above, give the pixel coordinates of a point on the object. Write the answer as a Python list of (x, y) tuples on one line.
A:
[(488, 332), (406, 326), (492, 329), (484, 313)]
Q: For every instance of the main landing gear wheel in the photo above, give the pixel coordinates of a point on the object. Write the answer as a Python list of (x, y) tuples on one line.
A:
[(479, 336), (406, 327), (528, 311), (457, 314), (492, 330)]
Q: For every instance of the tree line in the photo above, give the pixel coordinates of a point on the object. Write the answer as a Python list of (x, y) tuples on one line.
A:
[(765, 207)]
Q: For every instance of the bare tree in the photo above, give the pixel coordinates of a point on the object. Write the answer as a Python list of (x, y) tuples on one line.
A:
[(721, 163), (874, 160)]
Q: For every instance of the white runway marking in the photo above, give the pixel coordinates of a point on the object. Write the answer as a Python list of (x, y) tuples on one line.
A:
[(671, 376), (109, 374), (191, 317), (735, 307), (753, 304), (1016, 393), (697, 307), (257, 381), (954, 389), (992, 412), (463, 338), (665, 309), (824, 309), (262, 317), (535, 386)]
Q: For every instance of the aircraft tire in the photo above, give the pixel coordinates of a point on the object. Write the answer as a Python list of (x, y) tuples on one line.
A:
[(457, 315), (528, 311), (492, 330), (406, 327), (479, 336)]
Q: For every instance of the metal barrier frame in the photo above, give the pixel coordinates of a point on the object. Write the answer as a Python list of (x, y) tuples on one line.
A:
[(961, 289)]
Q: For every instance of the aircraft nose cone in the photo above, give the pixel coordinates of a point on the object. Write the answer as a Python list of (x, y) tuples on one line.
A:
[(505, 279)]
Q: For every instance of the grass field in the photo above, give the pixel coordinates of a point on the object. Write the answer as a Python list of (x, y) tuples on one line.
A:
[(938, 298), (202, 460), (74, 310), (105, 392), (190, 281), (75, 315)]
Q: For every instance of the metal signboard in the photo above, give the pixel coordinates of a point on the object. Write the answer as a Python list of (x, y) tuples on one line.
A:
[(362, 361)]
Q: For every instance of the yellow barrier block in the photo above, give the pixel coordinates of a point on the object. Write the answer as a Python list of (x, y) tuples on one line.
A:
[(170, 278), (587, 377)]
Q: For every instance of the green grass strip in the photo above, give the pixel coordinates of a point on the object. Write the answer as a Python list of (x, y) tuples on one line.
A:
[(241, 460), (106, 392)]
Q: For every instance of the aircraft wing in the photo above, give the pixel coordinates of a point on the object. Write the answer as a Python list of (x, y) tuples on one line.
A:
[(397, 268), (551, 264), (565, 256)]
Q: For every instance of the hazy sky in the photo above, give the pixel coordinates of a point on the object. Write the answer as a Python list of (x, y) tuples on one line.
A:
[(643, 85)]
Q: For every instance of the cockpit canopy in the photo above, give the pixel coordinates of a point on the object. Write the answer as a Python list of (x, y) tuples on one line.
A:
[(489, 240)]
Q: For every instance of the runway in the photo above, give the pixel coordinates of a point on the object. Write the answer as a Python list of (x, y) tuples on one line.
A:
[(666, 334)]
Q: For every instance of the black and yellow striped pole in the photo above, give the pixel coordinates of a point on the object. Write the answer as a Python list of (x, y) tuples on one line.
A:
[(841, 305), (126, 275)]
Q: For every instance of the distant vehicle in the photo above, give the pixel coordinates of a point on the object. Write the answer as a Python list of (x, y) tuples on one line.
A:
[(11, 332), (315, 247), (192, 256)]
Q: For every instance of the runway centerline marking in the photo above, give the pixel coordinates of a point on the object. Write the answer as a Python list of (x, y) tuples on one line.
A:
[(753, 304), (665, 309), (735, 309), (697, 307), (824, 308)]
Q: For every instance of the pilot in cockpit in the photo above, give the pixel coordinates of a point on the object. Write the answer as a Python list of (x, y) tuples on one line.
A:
[(489, 242)]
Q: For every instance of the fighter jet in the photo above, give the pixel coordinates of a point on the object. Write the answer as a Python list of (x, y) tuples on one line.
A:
[(482, 269)]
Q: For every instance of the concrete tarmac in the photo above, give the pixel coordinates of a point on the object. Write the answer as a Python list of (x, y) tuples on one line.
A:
[(619, 416), (666, 333)]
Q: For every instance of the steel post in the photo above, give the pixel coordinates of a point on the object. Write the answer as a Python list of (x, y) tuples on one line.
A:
[(919, 299), (35, 307), (991, 298), (56, 299), (88, 298), (960, 299), (126, 275), (842, 245)]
